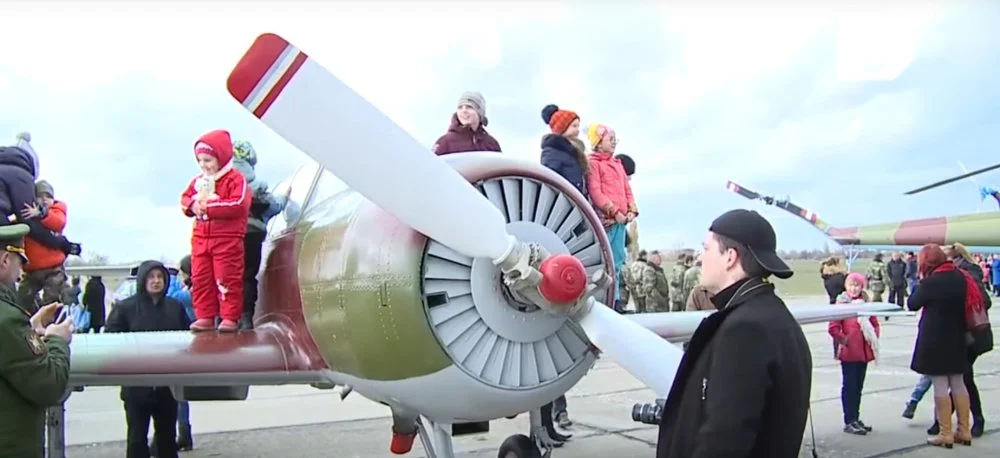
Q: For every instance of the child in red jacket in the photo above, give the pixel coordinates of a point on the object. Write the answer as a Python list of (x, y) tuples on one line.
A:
[(219, 200), (855, 342)]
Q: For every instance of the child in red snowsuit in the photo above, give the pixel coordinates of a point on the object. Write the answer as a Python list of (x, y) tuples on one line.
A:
[(219, 200)]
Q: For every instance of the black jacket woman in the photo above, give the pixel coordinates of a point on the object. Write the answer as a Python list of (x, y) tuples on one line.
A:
[(940, 349)]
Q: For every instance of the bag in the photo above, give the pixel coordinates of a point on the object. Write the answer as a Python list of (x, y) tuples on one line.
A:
[(81, 318), (979, 337)]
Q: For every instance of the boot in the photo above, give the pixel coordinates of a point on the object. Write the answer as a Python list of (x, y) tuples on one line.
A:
[(910, 410), (963, 432), (978, 424), (945, 437), (184, 440), (203, 324)]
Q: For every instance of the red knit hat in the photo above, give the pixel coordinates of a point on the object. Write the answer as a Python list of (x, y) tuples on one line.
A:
[(558, 120)]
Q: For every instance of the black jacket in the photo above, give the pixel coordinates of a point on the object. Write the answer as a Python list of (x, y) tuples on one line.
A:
[(911, 270), (93, 300), (144, 312), (896, 269), (17, 189), (561, 156), (743, 386), (940, 348)]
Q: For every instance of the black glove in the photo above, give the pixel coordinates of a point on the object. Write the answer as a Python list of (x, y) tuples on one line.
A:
[(70, 248)]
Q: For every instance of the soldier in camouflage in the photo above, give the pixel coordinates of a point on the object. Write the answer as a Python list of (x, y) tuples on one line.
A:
[(691, 279), (655, 290), (877, 277), (677, 298), (633, 282)]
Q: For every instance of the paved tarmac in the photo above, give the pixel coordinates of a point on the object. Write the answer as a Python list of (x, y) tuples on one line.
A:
[(305, 422)]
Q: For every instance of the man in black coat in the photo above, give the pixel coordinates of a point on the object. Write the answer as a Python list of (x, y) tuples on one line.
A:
[(149, 309), (896, 268), (743, 386)]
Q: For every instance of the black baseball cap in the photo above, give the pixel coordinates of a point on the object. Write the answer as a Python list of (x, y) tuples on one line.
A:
[(751, 229)]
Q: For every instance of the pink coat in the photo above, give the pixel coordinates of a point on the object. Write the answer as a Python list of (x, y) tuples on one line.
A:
[(608, 187)]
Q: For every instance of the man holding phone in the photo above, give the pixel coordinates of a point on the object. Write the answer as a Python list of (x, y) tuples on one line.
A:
[(34, 362)]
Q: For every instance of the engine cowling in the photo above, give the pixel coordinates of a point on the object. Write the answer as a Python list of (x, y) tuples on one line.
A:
[(409, 322)]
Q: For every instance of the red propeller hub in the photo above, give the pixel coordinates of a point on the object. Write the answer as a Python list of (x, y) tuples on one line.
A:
[(564, 279)]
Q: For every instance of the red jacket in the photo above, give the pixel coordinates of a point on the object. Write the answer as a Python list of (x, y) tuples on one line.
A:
[(608, 187), (460, 139), (228, 211), (856, 350), (41, 257)]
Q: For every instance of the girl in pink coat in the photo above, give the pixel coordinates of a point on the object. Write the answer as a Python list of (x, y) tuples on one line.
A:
[(856, 343), (610, 193)]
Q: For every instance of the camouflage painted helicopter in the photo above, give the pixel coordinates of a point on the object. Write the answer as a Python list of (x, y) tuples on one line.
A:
[(454, 290), (975, 230)]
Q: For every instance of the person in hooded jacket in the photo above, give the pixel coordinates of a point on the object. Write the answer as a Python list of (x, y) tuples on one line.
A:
[(93, 300), (219, 200), (18, 172), (149, 309), (562, 149), (263, 207), (467, 131)]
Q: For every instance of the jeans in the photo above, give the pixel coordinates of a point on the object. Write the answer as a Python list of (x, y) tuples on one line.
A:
[(183, 413), (920, 389), (616, 237), (850, 389), (911, 286)]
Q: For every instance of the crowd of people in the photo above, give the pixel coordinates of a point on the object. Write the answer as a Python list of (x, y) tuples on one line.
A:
[(216, 289), (952, 289)]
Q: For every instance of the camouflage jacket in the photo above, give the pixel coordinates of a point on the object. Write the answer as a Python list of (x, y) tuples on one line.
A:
[(654, 286), (691, 279), (677, 282), (877, 276), (635, 269), (34, 372)]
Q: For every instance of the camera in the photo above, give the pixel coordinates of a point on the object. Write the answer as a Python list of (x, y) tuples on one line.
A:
[(648, 413)]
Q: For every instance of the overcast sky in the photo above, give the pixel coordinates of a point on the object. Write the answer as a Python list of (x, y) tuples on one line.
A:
[(842, 110)]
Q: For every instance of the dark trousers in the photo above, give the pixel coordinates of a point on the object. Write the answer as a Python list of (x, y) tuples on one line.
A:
[(975, 402), (897, 294), (161, 407), (252, 246), (558, 406), (850, 389)]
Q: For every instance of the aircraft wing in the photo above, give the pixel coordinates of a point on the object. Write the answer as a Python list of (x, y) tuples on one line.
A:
[(99, 271), (264, 356), (680, 326)]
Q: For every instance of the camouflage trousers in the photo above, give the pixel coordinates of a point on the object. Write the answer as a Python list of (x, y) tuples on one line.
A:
[(640, 303), (657, 306), (50, 282), (677, 305)]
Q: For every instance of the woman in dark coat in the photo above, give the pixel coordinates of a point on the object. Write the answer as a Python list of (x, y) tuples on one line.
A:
[(940, 350), (833, 275), (93, 300)]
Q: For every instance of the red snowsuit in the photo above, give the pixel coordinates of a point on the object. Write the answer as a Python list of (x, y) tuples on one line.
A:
[(217, 240)]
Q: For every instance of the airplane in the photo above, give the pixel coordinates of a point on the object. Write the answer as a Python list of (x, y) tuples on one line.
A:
[(975, 230), (454, 290)]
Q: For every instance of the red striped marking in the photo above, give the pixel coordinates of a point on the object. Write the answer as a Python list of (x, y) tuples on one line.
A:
[(280, 85), (922, 231), (254, 64)]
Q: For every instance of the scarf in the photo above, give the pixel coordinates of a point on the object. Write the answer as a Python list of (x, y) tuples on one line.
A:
[(868, 330), (973, 297)]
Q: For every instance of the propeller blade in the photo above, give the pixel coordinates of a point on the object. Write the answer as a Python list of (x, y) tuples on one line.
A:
[(619, 337), (953, 179), (320, 115)]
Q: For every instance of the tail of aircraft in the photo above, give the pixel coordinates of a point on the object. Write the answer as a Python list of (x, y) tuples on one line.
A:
[(976, 230)]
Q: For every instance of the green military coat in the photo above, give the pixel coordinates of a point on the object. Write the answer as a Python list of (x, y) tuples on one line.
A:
[(34, 372)]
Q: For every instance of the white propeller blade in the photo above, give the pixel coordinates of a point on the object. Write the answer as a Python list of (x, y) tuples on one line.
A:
[(320, 115), (639, 351)]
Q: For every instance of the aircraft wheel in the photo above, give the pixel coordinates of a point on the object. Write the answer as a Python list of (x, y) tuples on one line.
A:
[(518, 446)]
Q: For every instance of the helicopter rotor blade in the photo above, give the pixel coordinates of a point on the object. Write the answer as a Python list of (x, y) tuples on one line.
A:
[(952, 179)]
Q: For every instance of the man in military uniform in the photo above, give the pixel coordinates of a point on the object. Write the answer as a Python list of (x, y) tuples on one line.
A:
[(654, 290), (677, 298), (877, 277), (34, 360), (633, 271), (691, 279)]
